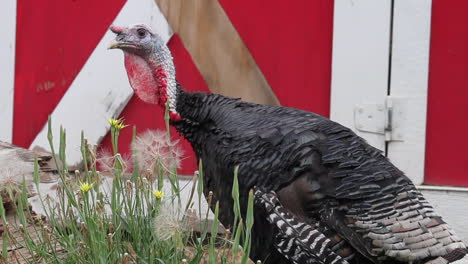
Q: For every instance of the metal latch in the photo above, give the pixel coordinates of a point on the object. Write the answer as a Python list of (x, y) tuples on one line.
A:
[(386, 119)]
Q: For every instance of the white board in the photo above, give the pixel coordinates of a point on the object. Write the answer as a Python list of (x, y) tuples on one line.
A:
[(101, 89), (361, 32), (409, 81), (7, 67)]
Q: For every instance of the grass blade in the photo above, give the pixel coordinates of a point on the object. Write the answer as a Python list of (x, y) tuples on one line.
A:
[(248, 231), (214, 234), (4, 246), (235, 197)]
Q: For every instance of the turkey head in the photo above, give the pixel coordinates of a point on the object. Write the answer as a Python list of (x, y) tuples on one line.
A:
[(148, 62)]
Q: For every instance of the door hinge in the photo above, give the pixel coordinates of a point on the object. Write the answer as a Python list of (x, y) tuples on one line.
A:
[(386, 119)]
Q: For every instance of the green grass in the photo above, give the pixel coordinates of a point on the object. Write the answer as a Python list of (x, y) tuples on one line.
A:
[(128, 224)]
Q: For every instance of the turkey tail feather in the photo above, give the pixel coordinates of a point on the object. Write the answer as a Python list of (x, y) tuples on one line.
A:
[(296, 240)]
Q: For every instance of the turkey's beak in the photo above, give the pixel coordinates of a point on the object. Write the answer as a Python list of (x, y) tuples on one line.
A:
[(120, 41), (114, 44)]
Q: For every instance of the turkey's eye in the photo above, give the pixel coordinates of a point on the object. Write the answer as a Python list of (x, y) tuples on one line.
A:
[(141, 33)]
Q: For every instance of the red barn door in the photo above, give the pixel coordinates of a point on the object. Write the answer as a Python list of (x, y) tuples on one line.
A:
[(447, 123)]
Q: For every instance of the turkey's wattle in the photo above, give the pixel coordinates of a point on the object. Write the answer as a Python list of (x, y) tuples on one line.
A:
[(143, 80), (323, 194)]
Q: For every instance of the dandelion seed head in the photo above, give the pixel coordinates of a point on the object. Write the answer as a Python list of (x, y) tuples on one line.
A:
[(153, 148), (168, 224), (106, 160), (11, 176), (11, 180)]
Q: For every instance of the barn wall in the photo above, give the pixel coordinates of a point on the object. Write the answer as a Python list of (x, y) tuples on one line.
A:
[(51, 49), (100, 90), (447, 125), (292, 45)]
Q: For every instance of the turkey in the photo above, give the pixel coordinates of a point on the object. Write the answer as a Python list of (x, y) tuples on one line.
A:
[(313, 172)]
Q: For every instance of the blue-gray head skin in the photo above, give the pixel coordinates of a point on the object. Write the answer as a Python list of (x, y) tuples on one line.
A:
[(149, 64)]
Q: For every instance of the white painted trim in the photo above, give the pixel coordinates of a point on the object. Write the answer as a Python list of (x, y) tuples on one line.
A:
[(409, 80), (101, 90), (7, 68), (442, 188), (361, 32)]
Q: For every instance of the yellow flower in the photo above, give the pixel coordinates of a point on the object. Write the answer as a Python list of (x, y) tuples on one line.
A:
[(158, 194), (113, 122), (116, 123), (121, 126), (85, 187)]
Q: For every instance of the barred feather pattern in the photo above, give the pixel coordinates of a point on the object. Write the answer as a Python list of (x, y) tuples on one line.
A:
[(296, 240)]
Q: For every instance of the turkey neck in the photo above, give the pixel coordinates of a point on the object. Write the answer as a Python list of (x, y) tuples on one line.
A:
[(152, 77)]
